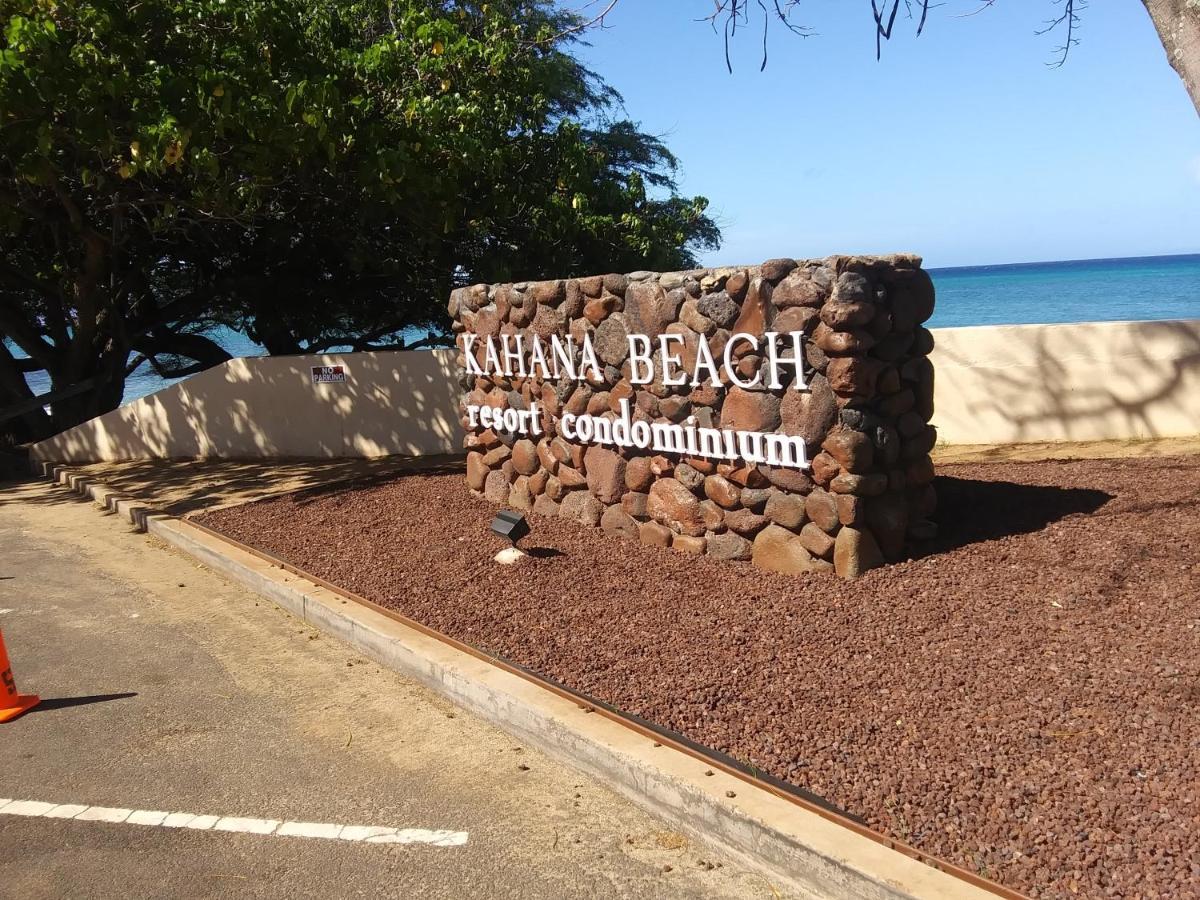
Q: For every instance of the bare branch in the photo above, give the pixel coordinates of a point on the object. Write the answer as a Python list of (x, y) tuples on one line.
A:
[(985, 5), (883, 33), (581, 26), (1070, 16), (734, 13)]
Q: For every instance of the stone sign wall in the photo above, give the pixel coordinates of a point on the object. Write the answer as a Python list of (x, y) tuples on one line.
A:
[(776, 413)]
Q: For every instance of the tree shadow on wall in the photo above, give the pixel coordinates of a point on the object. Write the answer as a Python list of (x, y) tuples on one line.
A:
[(972, 511)]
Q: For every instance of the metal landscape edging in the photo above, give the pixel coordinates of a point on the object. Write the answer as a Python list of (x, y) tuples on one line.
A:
[(715, 758), (172, 530)]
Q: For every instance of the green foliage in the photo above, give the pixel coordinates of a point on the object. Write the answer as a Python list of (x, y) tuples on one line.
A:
[(315, 172)]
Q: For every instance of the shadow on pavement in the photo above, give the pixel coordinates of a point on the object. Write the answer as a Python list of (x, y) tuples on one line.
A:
[(52, 703)]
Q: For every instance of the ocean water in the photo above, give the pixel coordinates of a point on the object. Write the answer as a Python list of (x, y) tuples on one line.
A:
[(144, 381), (1095, 290)]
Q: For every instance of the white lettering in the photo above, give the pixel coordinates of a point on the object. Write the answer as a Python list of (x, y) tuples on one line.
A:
[(583, 428), (469, 354), (537, 358), (670, 359), (785, 450), (513, 355), (640, 434), (590, 361), (750, 446), (704, 360), (690, 434), (602, 430), (562, 357), (491, 361), (796, 360), (639, 355), (731, 366), (528, 356), (667, 437), (622, 430)]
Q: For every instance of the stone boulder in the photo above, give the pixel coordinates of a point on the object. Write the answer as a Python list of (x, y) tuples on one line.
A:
[(718, 308), (745, 522), (778, 550), (786, 510), (519, 495), (796, 318), (887, 516), (611, 340), (582, 507), (638, 475), (477, 471), (757, 313), (655, 534), (750, 410), (634, 504), (605, 473), (798, 289), (688, 543), (816, 541), (809, 414), (722, 491), (649, 308), (854, 552), (617, 522), (525, 457), (853, 375), (675, 506), (821, 508), (495, 487), (545, 506), (853, 450), (728, 545)]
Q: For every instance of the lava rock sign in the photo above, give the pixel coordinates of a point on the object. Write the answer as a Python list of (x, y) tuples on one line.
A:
[(776, 413)]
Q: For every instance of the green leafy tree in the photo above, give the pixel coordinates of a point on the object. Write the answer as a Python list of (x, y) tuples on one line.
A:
[(315, 173)]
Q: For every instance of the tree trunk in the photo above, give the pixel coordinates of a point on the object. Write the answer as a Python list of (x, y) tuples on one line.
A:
[(34, 425), (104, 397), (1178, 25)]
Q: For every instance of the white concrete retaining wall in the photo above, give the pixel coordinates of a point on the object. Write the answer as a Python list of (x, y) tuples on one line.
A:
[(1011, 384), (994, 385), (391, 403)]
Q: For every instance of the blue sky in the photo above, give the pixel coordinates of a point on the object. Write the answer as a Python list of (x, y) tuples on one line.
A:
[(961, 145)]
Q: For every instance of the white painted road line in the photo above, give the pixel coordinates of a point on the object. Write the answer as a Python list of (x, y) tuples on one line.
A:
[(366, 834)]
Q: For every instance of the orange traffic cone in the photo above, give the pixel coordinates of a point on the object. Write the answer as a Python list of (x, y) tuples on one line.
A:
[(12, 704)]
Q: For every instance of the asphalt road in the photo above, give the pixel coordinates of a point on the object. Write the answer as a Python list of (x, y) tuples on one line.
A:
[(233, 708)]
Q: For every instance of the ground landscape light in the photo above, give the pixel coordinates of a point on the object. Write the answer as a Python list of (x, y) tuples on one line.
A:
[(511, 525)]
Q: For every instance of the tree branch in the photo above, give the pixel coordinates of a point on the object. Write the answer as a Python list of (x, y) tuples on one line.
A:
[(1071, 18), (205, 351), (581, 26)]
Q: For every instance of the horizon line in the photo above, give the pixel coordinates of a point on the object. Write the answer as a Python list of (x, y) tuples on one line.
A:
[(1081, 259)]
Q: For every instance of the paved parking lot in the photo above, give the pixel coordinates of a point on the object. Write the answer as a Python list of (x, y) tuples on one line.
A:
[(170, 691)]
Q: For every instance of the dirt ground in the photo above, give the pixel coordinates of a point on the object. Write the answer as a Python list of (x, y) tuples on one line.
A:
[(959, 453), (1020, 699)]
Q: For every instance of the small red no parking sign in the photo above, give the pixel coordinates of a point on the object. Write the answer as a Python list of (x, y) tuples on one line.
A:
[(328, 374)]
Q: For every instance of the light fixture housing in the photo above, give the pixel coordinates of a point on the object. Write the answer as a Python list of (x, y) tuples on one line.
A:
[(510, 524)]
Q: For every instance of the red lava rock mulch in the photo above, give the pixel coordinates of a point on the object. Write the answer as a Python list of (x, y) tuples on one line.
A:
[(1023, 701)]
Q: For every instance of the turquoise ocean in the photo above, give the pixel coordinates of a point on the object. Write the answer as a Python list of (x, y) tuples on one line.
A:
[(1094, 290)]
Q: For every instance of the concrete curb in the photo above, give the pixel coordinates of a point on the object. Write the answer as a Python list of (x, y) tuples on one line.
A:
[(796, 848)]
